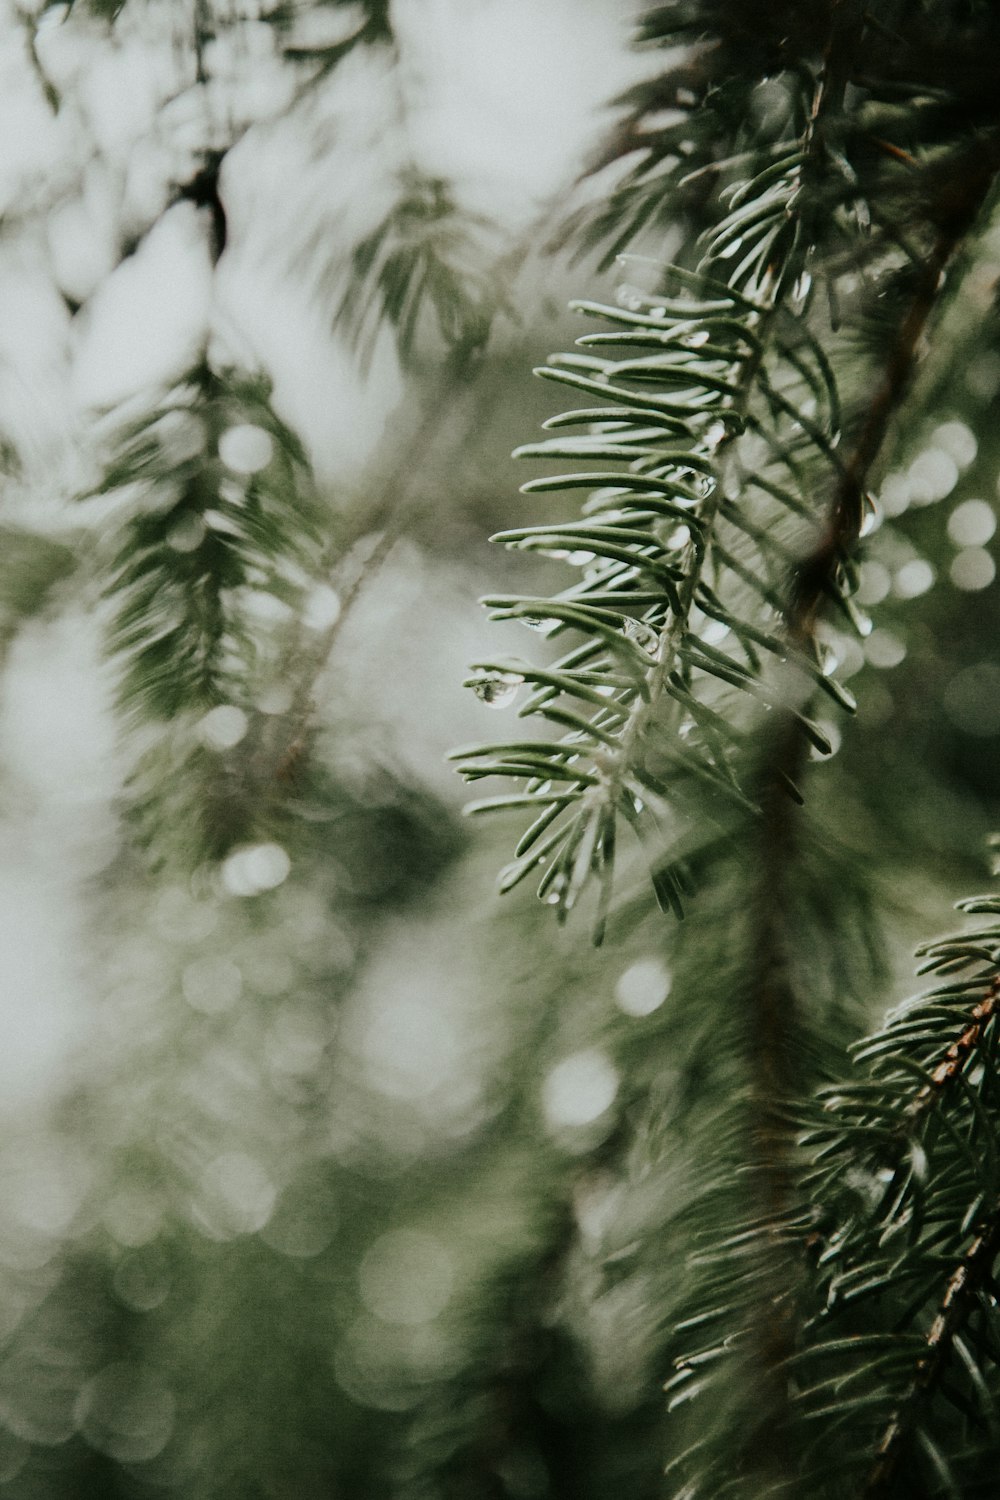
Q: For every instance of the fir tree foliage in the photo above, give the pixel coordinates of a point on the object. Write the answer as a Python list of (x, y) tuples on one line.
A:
[(743, 488), (798, 1244), (905, 1154), (828, 168), (217, 544)]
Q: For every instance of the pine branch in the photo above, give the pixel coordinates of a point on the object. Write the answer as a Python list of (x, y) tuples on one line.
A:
[(775, 1007), (973, 179), (775, 1016), (906, 1170), (671, 526), (795, 581), (972, 1274), (426, 261), (217, 537), (813, 582)]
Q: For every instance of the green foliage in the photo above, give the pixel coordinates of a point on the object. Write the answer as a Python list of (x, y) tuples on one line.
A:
[(34, 567), (373, 28), (215, 547), (425, 260), (821, 171), (344, 1215), (891, 1378), (908, 1226), (725, 417)]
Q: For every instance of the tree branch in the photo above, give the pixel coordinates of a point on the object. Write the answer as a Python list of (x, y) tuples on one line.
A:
[(964, 1283)]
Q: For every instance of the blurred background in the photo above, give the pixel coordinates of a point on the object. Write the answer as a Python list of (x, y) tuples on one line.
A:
[(324, 1170)]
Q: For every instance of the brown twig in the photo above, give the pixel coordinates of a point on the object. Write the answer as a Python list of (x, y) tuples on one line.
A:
[(775, 1003), (964, 1283), (957, 1054), (391, 514), (772, 1017)]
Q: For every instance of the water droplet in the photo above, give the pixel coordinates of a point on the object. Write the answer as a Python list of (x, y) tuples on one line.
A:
[(579, 1089), (801, 290), (246, 448), (957, 439), (829, 661), (678, 538), (714, 632), (913, 579), (972, 523), (133, 1216), (884, 650), (276, 698), (186, 534), (576, 559), (932, 476), (142, 1279), (212, 984), (833, 737), (126, 1412), (696, 340), (223, 727), (255, 868), (643, 987), (972, 569), (406, 1277), (870, 517), (236, 1196), (304, 1223), (629, 297), (496, 689), (874, 583), (643, 635), (322, 608)]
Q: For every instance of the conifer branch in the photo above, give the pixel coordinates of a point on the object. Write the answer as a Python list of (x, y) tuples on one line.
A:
[(216, 537), (814, 581), (906, 1169), (774, 1016), (814, 578), (718, 375), (966, 1282)]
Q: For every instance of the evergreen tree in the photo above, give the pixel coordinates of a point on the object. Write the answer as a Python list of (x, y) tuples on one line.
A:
[(372, 1184)]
